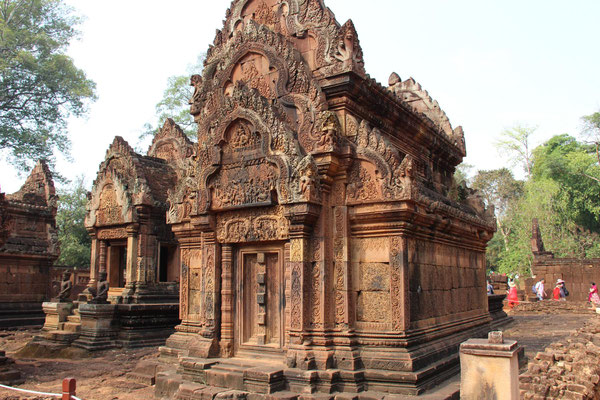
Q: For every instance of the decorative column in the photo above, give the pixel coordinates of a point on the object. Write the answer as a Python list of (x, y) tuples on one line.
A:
[(102, 258), (399, 290), (227, 333), (131, 262)]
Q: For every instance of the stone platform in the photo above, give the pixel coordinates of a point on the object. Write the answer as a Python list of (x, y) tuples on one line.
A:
[(8, 375), (14, 315), (245, 378)]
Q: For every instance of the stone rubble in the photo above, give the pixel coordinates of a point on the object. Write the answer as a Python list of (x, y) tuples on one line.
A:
[(568, 369)]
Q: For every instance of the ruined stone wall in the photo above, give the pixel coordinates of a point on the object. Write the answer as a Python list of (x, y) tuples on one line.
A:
[(29, 249), (577, 273)]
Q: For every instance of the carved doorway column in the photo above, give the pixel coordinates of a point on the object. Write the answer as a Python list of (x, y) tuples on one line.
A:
[(226, 300)]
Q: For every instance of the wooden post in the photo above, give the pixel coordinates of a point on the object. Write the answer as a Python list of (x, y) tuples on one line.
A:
[(68, 388)]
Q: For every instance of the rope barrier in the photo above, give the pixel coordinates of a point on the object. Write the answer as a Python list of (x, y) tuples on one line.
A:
[(34, 392)]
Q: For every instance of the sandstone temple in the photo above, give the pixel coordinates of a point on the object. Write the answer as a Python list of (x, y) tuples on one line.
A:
[(28, 248), (313, 229)]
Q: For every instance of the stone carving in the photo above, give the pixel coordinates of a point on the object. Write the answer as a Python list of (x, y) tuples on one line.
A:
[(237, 227), (348, 50), (65, 288), (395, 282), (184, 291), (419, 99), (315, 295), (296, 295), (113, 233), (100, 291)]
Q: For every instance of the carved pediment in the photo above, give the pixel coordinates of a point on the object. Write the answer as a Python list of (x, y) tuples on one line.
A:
[(325, 45), (171, 144)]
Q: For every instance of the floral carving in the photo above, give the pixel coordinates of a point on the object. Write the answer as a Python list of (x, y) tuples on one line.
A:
[(237, 227), (315, 294), (296, 296)]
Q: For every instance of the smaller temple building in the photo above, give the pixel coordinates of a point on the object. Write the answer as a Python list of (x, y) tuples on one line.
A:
[(28, 248), (134, 254)]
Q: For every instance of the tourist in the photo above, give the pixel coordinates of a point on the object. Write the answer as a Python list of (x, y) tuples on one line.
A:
[(513, 298), (490, 288), (593, 296), (540, 290), (563, 290), (556, 291)]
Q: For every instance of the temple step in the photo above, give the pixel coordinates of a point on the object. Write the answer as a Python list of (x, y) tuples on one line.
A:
[(74, 318), (72, 327), (61, 336), (243, 374)]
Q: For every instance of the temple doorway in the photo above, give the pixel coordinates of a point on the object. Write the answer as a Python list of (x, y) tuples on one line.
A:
[(260, 304), (117, 264)]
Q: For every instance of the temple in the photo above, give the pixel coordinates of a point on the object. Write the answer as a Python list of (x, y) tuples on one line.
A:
[(28, 248), (318, 222), (132, 247)]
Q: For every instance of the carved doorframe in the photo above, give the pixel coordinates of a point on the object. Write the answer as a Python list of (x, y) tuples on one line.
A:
[(238, 292)]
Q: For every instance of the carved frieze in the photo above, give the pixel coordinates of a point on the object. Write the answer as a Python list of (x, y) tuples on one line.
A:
[(115, 233), (254, 225)]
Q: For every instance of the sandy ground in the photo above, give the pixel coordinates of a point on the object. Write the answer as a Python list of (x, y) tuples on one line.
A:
[(102, 377)]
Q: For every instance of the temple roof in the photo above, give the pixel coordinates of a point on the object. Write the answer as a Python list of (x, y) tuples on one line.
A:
[(38, 190)]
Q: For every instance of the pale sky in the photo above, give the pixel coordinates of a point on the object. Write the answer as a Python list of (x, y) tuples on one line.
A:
[(490, 64)]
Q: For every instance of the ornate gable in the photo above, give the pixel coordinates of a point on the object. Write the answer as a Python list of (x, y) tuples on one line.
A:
[(171, 144), (127, 179), (326, 46), (38, 189)]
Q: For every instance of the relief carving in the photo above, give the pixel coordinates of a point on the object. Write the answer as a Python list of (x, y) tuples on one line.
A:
[(296, 295), (315, 294), (109, 212), (258, 225), (108, 234), (396, 283)]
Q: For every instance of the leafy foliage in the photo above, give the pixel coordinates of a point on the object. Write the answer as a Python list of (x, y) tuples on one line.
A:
[(39, 85), (175, 103), (562, 191), (75, 243)]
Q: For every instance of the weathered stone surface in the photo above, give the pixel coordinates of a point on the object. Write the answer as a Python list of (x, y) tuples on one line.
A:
[(28, 247), (567, 369), (318, 220)]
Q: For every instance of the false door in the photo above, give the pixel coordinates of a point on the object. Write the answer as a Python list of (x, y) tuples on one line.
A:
[(260, 299)]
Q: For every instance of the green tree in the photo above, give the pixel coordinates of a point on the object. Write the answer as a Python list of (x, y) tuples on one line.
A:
[(39, 85), (514, 143), (175, 103), (75, 243), (500, 189), (591, 131), (573, 166)]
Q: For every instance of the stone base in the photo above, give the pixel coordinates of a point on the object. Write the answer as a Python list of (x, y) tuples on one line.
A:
[(16, 315), (9, 376), (97, 327), (250, 379), (496, 308), (141, 325), (56, 314)]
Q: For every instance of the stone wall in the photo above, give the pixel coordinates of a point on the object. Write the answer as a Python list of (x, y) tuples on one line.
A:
[(577, 273), (29, 249)]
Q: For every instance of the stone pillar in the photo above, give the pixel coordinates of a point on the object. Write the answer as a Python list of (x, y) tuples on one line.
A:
[(489, 368), (93, 261), (399, 285), (227, 300), (102, 257), (132, 247)]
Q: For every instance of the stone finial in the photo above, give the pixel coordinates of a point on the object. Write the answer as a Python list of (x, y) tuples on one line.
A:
[(496, 337), (394, 79)]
